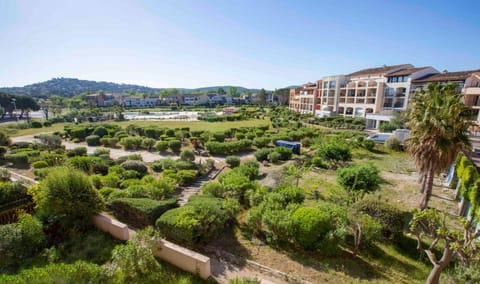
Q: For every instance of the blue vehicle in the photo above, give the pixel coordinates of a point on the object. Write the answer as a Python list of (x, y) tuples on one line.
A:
[(294, 146)]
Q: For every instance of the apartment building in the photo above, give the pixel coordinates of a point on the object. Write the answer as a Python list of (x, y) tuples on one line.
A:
[(468, 83), (304, 99), (138, 101)]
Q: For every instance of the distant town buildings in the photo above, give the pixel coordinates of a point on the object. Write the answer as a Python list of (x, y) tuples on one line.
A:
[(377, 93)]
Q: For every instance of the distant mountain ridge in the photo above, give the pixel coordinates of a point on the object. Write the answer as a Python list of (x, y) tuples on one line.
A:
[(69, 87)]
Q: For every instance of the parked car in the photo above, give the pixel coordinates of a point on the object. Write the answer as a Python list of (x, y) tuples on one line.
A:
[(379, 137)]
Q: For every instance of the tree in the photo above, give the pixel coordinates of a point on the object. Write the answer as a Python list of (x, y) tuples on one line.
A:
[(221, 91), (45, 107), (462, 244), (293, 172), (232, 91), (439, 124), (283, 96), (262, 97), (67, 196), (50, 141), (24, 103)]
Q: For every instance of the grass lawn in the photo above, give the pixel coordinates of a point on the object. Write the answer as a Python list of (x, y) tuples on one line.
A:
[(194, 125)]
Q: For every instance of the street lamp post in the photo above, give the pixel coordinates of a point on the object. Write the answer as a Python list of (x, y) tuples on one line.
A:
[(14, 102)]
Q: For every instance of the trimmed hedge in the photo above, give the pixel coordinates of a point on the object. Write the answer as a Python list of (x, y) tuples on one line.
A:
[(140, 212), (93, 140)]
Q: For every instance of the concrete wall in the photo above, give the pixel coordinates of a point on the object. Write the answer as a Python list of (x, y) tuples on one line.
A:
[(117, 229), (181, 257)]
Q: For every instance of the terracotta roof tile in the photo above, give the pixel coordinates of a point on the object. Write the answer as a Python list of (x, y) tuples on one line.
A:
[(407, 71), (378, 70), (446, 76)]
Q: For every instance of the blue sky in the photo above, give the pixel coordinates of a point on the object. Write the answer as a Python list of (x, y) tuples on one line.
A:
[(262, 43)]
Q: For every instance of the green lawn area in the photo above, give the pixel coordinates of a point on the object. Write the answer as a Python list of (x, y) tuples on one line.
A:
[(194, 125)]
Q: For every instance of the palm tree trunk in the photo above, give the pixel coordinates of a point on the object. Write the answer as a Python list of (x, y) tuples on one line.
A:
[(428, 189)]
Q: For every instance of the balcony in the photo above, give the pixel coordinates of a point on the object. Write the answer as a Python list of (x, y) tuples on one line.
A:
[(472, 91), (360, 101), (341, 100)]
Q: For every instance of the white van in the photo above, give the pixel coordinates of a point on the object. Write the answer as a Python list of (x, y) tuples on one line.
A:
[(379, 137)]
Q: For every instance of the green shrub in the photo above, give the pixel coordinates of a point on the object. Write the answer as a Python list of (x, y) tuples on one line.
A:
[(131, 143), (93, 140), (157, 166), (363, 178), (285, 153), (101, 152), (219, 136), (36, 124), (174, 145), (200, 219), (394, 144), (262, 154), (78, 133), (17, 159), (187, 155), (19, 241), (186, 177), (368, 144), (310, 225), (274, 157), (140, 212), (78, 272), (4, 139), (161, 146), (334, 153), (11, 192), (109, 142), (136, 166), (148, 143), (100, 131), (133, 157), (319, 162), (78, 151), (57, 196), (391, 219), (39, 164), (232, 161), (89, 164)]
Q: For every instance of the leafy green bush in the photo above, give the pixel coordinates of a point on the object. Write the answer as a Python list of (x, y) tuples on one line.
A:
[(224, 148), (161, 146), (200, 219), (4, 139), (311, 226), (174, 145), (368, 144), (187, 155), (93, 140), (219, 136), (39, 164), (285, 153), (78, 133), (319, 162), (132, 157), (78, 151), (137, 166), (363, 178), (391, 219), (109, 142), (19, 241), (89, 164), (232, 161), (57, 196), (100, 131), (274, 157), (17, 159), (334, 153), (140, 212), (393, 143), (261, 142), (78, 272), (186, 177), (11, 192), (148, 143), (262, 154), (36, 124), (131, 143)]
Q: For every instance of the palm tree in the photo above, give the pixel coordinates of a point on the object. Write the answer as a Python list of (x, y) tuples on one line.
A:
[(439, 123)]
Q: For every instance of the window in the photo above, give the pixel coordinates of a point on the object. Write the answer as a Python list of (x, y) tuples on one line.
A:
[(389, 92), (325, 84), (332, 84)]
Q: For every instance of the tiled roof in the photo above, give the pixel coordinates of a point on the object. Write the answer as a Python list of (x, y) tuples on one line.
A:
[(407, 71), (446, 76), (378, 70)]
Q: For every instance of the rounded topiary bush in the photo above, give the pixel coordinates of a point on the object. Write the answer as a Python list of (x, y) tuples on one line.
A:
[(40, 165), (137, 166), (17, 159), (232, 161), (175, 145), (274, 157), (67, 196), (368, 144), (100, 131), (161, 146), (310, 226), (393, 143), (36, 124), (187, 155), (93, 140)]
